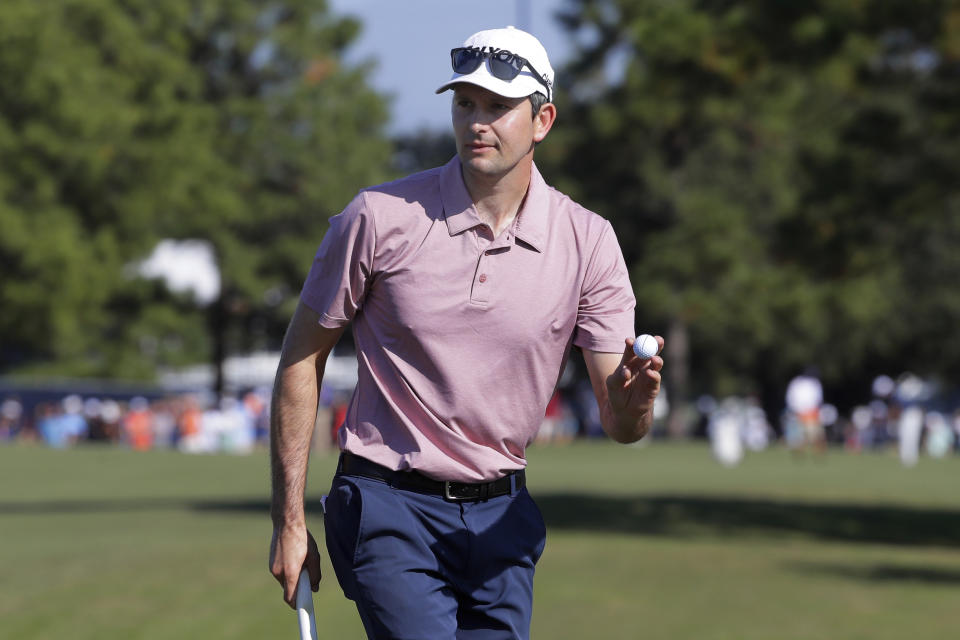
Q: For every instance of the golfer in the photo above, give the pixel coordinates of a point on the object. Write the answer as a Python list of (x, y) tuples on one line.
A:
[(466, 286)]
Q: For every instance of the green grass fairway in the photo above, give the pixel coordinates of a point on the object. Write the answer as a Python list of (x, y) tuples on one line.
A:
[(644, 543)]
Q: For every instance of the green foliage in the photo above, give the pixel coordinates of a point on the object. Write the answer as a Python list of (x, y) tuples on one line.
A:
[(782, 177), (126, 121)]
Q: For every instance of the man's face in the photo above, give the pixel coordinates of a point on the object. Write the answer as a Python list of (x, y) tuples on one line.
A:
[(493, 133)]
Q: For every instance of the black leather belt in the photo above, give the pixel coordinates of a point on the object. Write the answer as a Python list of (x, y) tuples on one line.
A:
[(352, 465)]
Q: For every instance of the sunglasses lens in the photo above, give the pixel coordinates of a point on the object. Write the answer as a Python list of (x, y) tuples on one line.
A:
[(466, 60), (506, 65)]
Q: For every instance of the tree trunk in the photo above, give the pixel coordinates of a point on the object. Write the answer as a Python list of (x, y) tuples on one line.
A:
[(677, 365), (218, 337)]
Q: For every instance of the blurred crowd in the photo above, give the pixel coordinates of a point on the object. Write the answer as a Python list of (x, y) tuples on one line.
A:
[(190, 422), (193, 422), (906, 414)]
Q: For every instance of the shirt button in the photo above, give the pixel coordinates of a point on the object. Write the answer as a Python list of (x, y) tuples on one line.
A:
[(483, 277)]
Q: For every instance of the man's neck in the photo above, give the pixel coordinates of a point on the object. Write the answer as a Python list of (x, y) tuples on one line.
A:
[(498, 198)]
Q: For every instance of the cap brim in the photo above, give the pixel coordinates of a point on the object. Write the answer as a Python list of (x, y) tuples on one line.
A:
[(520, 87)]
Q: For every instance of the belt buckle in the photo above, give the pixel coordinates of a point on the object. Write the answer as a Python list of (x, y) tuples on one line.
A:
[(447, 495)]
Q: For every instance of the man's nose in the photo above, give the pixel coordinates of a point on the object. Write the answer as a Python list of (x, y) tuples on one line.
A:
[(481, 120)]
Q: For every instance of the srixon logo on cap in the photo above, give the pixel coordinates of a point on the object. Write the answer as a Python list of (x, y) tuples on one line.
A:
[(486, 49)]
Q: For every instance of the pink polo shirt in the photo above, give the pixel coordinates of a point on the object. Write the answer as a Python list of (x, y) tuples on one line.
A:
[(461, 337)]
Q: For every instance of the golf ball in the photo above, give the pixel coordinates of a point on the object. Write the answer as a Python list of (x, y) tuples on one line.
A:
[(645, 346)]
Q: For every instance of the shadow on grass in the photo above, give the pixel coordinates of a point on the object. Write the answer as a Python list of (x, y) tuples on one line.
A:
[(253, 506), (678, 516), (881, 572), (123, 505), (694, 515)]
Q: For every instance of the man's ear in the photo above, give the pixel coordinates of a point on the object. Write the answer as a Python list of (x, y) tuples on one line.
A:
[(543, 121)]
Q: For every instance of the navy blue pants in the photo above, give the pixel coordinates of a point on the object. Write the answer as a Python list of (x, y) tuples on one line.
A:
[(421, 568)]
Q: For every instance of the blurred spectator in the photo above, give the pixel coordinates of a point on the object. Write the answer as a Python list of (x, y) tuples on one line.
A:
[(956, 428), (724, 430), (857, 436), (831, 422), (164, 423), (910, 429), (257, 405), (211, 428), (586, 410), (884, 413), (339, 414), (879, 431), (189, 424), (238, 427), (11, 418), (228, 427), (44, 416), (93, 412), (705, 405), (939, 435), (61, 426), (755, 429), (72, 421), (325, 425), (911, 392), (804, 398), (559, 423), (138, 425), (111, 413)]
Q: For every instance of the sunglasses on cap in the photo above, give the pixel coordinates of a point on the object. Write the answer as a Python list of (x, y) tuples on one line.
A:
[(503, 64)]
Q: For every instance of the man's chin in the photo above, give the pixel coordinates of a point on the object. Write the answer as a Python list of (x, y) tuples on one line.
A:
[(483, 166)]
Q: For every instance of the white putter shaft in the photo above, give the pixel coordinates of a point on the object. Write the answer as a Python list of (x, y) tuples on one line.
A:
[(305, 615)]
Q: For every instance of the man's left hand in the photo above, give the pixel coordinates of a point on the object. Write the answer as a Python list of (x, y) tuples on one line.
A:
[(634, 384)]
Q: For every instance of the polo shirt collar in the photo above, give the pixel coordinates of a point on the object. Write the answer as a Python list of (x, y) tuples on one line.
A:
[(460, 214), (533, 217), (458, 209)]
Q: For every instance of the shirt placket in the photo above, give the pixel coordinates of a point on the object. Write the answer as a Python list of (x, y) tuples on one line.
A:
[(484, 277)]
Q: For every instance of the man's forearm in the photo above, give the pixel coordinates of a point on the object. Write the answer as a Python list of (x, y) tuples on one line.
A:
[(292, 420)]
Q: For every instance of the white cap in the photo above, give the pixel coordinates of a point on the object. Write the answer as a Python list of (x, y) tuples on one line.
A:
[(515, 41)]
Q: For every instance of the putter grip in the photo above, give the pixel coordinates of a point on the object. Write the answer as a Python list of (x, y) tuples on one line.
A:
[(305, 615)]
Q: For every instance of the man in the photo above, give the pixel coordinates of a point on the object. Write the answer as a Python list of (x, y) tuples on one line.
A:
[(466, 286)]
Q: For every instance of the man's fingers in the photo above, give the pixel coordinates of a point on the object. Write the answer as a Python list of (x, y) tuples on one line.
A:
[(288, 555), (290, 579), (650, 371), (622, 374), (631, 371), (654, 375)]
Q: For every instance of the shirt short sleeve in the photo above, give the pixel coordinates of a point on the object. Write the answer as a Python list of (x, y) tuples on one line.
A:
[(341, 272), (605, 314)]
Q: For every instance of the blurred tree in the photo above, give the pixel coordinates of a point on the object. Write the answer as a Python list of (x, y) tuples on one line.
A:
[(126, 121), (782, 177), (423, 150)]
